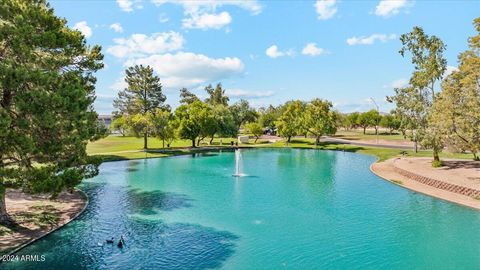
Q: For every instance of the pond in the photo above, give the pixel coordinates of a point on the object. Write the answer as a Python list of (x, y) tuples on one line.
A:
[(292, 209)]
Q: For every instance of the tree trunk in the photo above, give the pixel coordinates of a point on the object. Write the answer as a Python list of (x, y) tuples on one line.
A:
[(376, 130), (317, 140), (415, 146), (193, 143), (364, 130), (145, 141), (163, 143), (256, 138), (475, 157), (435, 155), (5, 218), (288, 139), (211, 141)]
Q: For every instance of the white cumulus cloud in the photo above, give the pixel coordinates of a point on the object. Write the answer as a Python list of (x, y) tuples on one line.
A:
[(387, 8), (449, 70), (186, 69), (400, 83), (117, 27), (369, 40), (326, 9), (206, 20), (312, 50), (129, 5), (202, 6), (84, 28), (274, 52), (138, 45), (202, 14), (241, 93)]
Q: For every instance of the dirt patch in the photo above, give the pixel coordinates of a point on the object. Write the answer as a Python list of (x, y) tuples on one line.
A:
[(37, 216)]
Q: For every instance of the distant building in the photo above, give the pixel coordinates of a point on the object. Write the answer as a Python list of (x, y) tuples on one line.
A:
[(106, 119)]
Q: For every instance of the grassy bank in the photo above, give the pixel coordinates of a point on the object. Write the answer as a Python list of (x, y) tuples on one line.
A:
[(122, 148), (369, 135)]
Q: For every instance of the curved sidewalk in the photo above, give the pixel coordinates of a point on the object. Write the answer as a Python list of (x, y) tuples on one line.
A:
[(455, 185)]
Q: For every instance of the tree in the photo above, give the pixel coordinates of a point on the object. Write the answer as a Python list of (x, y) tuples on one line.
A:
[(143, 95), (255, 128), (120, 124), (243, 113), (351, 120), (162, 126), (47, 90), (413, 103), (341, 119), (320, 119), (375, 119), (209, 125), (391, 122), (455, 111), (268, 116), (191, 119), (290, 122), (224, 123), (140, 124), (364, 121), (216, 96), (187, 97)]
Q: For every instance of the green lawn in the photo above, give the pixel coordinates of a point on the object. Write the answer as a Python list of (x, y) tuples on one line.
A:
[(112, 144), (381, 153), (119, 148), (370, 135)]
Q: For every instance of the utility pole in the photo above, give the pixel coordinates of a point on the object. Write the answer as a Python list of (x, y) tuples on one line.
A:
[(378, 110)]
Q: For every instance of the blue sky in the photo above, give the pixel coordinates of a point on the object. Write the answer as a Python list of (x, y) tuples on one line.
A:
[(267, 52)]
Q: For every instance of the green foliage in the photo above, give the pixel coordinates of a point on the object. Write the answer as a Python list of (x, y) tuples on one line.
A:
[(255, 129), (226, 124), (139, 124), (319, 119), (120, 124), (187, 97), (47, 92), (455, 112), (391, 122), (290, 123), (351, 120), (216, 96), (268, 116), (140, 100), (243, 113), (369, 119), (163, 126), (437, 163), (413, 103), (143, 93), (193, 120)]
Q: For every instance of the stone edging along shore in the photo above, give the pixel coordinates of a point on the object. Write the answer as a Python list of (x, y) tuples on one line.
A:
[(438, 183), (432, 187), (33, 240)]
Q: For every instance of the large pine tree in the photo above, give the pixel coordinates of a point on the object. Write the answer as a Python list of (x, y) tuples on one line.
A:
[(46, 101), (142, 96)]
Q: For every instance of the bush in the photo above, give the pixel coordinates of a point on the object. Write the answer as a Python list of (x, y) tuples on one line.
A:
[(437, 164)]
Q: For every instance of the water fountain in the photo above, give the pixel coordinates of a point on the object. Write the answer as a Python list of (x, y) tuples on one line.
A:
[(238, 164)]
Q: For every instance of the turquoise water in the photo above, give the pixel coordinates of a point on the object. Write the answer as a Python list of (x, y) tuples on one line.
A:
[(296, 209)]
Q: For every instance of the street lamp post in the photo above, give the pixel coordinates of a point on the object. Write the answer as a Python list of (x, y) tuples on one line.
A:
[(378, 110)]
